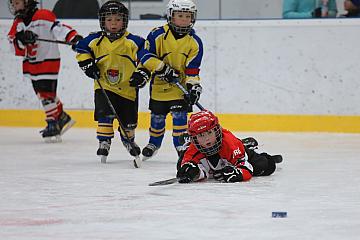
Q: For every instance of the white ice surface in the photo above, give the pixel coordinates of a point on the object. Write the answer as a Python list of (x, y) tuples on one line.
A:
[(62, 191)]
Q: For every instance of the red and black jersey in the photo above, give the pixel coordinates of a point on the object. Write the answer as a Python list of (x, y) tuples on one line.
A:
[(232, 150), (41, 59)]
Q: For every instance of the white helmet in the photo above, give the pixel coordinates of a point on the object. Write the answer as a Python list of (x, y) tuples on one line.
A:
[(181, 6)]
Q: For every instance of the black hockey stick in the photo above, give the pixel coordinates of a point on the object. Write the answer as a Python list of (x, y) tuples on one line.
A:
[(137, 161), (164, 182), (53, 41), (183, 89)]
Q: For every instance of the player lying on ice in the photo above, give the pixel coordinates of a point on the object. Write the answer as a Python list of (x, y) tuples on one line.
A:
[(214, 152)]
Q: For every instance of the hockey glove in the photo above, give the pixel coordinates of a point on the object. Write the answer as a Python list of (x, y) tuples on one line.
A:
[(75, 40), (188, 172), (228, 174), (168, 74), (90, 69), (26, 37), (139, 78), (316, 13), (194, 93)]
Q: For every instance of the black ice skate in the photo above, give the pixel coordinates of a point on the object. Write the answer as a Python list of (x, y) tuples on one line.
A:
[(65, 122), (277, 158), (149, 151), (250, 143), (51, 133), (103, 151), (133, 151)]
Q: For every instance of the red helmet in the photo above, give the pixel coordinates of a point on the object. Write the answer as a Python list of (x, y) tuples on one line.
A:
[(205, 121)]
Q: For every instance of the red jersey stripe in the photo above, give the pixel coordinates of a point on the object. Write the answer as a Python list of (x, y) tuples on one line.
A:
[(192, 71), (43, 14), (47, 66)]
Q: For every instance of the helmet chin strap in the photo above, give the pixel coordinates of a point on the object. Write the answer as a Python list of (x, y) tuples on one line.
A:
[(114, 36)]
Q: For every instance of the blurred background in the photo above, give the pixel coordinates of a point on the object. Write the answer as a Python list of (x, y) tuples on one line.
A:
[(145, 9)]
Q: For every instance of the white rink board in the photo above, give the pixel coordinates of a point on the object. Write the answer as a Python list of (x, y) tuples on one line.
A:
[(249, 67)]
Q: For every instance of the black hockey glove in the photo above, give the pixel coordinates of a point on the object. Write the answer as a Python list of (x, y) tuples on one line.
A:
[(194, 93), (188, 172), (26, 37), (168, 74), (316, 13), (75, 40), (139, 78), (228, 174), (90, 69)]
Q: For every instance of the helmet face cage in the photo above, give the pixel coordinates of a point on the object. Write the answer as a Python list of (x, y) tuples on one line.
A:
[(28, 6), (185, 6), (201, 122), (114, 8), (211, 150)]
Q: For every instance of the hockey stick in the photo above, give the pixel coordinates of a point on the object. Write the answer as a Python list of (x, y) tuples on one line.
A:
[(137, 161), (164, 182), (54, 41), (183, 89)]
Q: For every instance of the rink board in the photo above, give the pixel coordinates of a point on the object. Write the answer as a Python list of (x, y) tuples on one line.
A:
[(235, 122)]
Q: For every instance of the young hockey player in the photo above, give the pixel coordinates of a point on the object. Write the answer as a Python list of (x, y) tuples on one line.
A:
[(42, 59), (111, 56), (215, 152), (173, 52)]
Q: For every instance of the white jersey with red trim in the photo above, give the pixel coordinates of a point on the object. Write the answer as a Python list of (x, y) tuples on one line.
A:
[(41, 59)]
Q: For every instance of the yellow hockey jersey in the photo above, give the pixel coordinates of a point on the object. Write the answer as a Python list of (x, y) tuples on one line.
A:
[(183, 54), (116, 60)]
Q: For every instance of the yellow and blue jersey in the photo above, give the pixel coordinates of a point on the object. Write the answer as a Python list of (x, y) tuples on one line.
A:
[(116, 60), (183, 54)]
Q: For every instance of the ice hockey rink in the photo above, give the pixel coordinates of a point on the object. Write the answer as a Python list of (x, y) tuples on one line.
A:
[(62, 191)]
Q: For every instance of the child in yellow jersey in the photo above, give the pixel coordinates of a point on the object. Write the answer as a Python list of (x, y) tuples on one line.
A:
[(111, 56), (172, 52)]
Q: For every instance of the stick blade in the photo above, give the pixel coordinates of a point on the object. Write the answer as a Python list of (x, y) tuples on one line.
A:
[(137, 162), (164, 182)]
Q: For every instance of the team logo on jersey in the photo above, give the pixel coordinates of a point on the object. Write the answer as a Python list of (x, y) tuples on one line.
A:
[(113, 76), (237, 152)]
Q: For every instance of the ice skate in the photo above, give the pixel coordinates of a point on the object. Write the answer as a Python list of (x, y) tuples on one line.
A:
[(276, 158), (103, 151), (51, 133), (65, 122), (133, 151), (250, 143), (149, 151)]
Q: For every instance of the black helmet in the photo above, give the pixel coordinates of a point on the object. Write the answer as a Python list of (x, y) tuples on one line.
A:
[(110, 8), (29, 7)]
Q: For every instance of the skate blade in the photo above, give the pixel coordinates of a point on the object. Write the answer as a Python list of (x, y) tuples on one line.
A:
[(137, 162), (144, 158), (103, 159), (68, 126), (53, 139)]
